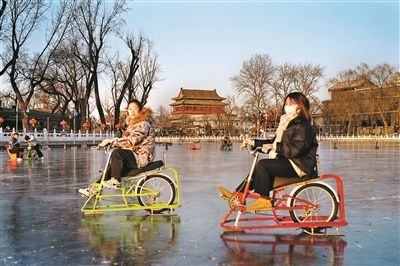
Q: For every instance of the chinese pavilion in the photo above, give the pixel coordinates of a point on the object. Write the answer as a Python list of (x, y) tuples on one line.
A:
[(198, 111)]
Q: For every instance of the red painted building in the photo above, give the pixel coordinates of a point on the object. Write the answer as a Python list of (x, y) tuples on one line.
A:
[(198, 111)]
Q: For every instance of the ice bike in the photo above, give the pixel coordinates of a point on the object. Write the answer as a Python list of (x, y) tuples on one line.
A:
[(28, 155), (312, 204), (154, 188)]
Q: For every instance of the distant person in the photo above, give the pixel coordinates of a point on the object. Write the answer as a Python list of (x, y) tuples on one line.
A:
[(14, 146), (226, 143), (291, 154), (34, 144), (118, 133), (135, 149)]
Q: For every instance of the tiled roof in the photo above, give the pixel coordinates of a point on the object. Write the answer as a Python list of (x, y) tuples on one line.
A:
[(198, 94), (350, 84), (198, 102)]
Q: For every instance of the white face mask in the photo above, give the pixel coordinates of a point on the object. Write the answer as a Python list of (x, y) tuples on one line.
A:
[(290, 108)]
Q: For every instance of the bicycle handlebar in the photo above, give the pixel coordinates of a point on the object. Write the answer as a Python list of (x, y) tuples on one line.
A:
[(111, 144), (253, 151), (107, 147)]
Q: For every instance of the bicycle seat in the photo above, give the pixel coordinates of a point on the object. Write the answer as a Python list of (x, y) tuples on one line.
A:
[(280, 182), (151, 166)]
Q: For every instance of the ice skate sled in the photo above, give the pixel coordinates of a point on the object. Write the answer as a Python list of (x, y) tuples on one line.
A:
[(312, 204), (30, 155), (13, 156), (154, 188), (226, 147)]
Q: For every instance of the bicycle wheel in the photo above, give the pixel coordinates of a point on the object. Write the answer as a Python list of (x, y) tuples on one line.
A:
[(156, 189), (316, 193)]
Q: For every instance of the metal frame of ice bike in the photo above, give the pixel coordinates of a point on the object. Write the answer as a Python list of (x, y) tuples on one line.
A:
[(310, 204), (154, 188)]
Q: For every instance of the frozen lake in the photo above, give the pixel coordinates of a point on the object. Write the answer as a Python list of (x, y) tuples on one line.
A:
[(41, 222)]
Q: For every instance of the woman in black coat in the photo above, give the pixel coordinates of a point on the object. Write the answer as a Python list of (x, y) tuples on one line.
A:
[(291, 154)]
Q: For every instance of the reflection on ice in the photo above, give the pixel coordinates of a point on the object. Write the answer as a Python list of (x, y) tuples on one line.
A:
[(260, 248), (131, 240), (41, 221)]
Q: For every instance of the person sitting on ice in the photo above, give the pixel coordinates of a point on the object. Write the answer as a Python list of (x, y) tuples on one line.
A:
[(14, 147), (135, 149), (226, 144), (34, 144), (291, 154)]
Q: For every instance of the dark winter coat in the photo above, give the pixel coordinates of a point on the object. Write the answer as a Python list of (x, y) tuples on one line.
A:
[(299, 143)]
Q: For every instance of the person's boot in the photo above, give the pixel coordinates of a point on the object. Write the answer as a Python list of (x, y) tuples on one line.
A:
[(225, 193), (262, 204), (112, 183)]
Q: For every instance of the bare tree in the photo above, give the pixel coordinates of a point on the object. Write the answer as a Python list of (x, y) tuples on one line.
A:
[(66, 80), (232, 113), (162, 122), (6, 98), (25, 73), (346, 106), (93, 23), (375, 79), (2, 11), (381, 75), (306, 78), (109, 111), (20, 19), (134, 76), (254, 81), (114, 67), (123, 73), (283, 84), (147, 75), (247, 113)]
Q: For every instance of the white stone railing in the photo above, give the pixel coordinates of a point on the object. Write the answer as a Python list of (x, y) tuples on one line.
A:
[(185, 139), (96, 137), (394, 137), (59, 137)]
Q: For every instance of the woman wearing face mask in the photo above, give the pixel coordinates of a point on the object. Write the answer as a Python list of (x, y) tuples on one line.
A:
[(291, 154)]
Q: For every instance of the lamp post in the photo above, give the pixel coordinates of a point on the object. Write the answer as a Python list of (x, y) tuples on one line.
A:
[(75, 113), (16, 117)]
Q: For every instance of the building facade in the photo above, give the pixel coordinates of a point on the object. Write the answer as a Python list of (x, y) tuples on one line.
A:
[(361, 107), (198, 112), (47, 120)]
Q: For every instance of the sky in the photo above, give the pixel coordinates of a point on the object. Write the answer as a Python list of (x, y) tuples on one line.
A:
[(201, 44)]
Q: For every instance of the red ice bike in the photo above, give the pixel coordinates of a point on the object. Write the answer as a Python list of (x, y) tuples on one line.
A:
[(312, 204)]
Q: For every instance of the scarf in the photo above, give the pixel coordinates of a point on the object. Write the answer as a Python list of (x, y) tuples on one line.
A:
[(283, 124)]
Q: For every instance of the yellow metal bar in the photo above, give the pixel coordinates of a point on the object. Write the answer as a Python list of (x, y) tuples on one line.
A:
[(128, 190)]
